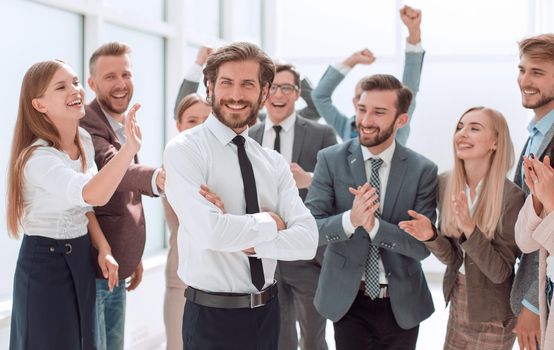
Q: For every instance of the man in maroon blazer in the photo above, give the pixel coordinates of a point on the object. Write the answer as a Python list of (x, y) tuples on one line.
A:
[(122, 218)]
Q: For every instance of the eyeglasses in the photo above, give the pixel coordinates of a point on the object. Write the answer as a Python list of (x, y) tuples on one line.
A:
[(286, 89)]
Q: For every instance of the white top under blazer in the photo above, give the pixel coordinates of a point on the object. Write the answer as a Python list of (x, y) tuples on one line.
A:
[(53, 191)]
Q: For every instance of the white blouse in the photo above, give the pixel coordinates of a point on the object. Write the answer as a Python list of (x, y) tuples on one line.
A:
[(53, 191)]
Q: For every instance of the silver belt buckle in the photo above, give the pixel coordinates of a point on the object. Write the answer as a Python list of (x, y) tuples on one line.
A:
[(256, 300), (383, 291)]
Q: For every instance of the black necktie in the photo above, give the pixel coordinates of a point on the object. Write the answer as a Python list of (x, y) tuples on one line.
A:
[(277, 143), (252, 207)]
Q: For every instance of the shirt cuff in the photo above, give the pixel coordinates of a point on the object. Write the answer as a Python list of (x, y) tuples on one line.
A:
[(342, 68), (530, 306), (194, 73), (414, 48), (347, 224), (374, 230), (154, 186)]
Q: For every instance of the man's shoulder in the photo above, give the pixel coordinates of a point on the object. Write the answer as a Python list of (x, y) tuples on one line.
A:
[(93, 116), (314, 125), (415, 157), (254, 129)]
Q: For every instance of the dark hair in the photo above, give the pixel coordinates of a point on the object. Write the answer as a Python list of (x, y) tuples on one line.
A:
[(387, 82), (236, 52), (187, 102), (108, 49), (538, 47), (285, 67)]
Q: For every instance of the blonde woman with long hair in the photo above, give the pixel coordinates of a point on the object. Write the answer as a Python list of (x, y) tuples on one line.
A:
[(53, 184), (475, 237)]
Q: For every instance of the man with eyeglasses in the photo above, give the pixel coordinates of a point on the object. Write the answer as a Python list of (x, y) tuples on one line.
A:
[(298, 140)]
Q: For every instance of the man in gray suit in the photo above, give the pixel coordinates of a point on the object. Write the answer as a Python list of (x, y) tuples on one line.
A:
[(536, 82), (346, 126), (371, 284), (298, 140)]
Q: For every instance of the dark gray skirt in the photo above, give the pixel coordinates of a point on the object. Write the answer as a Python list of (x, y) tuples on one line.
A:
[(54, 295)]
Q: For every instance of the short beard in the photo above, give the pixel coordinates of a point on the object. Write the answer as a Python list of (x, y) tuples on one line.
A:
[(235, 122), (108, 107), (542, 102), (378, 139)]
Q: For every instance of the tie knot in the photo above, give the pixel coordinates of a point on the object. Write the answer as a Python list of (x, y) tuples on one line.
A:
[(277, 128), (376, 163), (239, 140)]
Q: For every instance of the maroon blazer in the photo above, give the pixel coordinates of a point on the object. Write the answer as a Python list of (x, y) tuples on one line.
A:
[(122, 218)]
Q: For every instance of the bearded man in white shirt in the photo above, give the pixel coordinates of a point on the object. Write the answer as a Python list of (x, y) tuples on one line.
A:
[(229, 243)]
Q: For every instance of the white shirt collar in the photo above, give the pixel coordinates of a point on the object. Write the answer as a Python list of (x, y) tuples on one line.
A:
[(286, 124), (221, 131), (386, 155)]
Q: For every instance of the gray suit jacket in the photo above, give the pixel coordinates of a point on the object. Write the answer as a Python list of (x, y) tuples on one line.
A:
[(413, 63), (412, 184), (308, 112), (526, 282), (309, 138)]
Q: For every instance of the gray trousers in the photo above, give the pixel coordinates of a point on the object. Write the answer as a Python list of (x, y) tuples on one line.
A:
[(297, 282)]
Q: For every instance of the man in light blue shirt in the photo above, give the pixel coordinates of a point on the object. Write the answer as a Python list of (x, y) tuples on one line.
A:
[(536, 82)]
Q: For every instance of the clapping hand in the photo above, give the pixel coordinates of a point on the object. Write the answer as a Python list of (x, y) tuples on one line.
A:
[(419, 227), (539, 177), (463, 218)]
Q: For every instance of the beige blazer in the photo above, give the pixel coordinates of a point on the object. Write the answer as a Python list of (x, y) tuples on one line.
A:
[(537, 233)]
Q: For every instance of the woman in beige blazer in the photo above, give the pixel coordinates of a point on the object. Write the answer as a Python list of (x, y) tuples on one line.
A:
[(192, 110), (535, 231), (475, 238)]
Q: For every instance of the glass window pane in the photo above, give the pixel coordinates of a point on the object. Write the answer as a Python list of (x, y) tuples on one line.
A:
[(20, 51), (202, 17), (473, 26), (153, 10), (245, 18), (329, 28), (148, 60)]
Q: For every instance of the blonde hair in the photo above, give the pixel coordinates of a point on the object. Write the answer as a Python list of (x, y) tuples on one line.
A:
[(31, 125), (489, 207)]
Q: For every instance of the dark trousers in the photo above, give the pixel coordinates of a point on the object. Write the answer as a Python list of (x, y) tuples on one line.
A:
[(370, 324), (53, 295), (207, 328)]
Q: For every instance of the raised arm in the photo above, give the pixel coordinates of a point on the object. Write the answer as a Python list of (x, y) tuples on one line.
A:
[(413, 63)]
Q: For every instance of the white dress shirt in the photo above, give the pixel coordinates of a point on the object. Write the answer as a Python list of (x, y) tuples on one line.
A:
[(211, 242), (471, 205), (286, 135), (53, 191), (384, 172), (119, 130)]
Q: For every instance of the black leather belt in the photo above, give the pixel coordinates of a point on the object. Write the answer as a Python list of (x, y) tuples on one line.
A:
[(231, 300), (383, 290)]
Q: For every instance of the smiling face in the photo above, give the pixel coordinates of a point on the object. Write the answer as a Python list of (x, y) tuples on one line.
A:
[(377, 120), (237, 94), (475, 137), (112, 81), (63, 98), (283, 96), (192, 116), (536, 82)]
